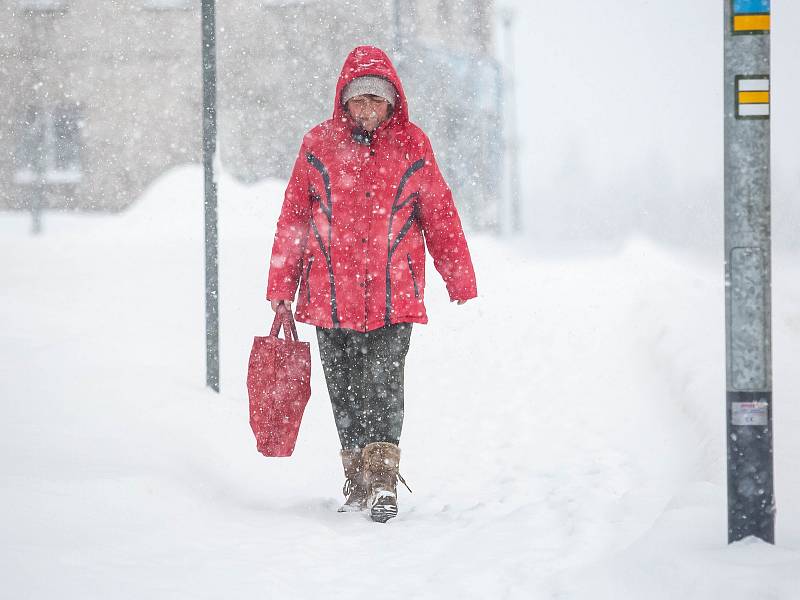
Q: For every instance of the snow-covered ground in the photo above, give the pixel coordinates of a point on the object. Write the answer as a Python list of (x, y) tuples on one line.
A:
[(564, 433)]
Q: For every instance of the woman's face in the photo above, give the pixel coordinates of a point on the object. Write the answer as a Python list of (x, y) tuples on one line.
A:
[(368, 111)]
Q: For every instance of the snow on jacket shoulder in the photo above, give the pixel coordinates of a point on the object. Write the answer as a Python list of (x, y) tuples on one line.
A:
[(356, 218)]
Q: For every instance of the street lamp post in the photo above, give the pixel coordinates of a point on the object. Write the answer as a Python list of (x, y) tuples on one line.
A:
[(209, 152), (514, 210)]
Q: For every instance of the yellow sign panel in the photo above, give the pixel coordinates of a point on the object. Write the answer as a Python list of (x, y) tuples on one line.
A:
[(753, 97), (750, 23)]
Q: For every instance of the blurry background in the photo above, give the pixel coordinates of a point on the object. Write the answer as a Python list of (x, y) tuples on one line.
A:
[(620, 112), (106, 96), (596, 120)]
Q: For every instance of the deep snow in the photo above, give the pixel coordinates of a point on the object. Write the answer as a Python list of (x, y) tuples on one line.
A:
[(564, 433)]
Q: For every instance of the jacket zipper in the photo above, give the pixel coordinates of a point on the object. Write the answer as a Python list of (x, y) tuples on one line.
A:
[(308, 283), (413, 276)]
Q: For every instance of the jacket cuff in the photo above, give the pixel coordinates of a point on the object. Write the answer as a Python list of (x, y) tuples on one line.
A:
[(463, 294), (283, 294)]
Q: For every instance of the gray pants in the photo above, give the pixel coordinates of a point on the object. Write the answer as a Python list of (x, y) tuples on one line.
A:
[(364, 372)]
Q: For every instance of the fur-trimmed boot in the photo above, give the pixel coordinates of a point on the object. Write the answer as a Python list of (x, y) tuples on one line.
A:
[(355, 489), (381, 463)]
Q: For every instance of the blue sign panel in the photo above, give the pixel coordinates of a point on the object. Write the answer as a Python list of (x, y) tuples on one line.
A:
[(750, 7)]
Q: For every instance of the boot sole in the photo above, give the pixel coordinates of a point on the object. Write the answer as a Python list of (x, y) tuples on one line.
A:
[(380, 513)]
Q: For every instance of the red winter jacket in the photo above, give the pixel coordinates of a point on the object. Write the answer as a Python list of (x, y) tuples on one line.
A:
[(356, 218)]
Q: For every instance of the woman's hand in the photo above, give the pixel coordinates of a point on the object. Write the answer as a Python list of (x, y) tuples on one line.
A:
[(276, 303)]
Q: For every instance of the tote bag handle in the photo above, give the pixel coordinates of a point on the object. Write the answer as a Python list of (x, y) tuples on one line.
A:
[(283, 316)]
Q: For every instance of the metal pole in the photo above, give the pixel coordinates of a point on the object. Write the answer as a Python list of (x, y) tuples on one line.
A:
[(751, 501), (40, 123), (512, 147), (398, 40), (209, 152)]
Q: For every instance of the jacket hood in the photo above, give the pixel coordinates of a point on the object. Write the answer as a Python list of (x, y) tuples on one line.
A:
[(369, 60)]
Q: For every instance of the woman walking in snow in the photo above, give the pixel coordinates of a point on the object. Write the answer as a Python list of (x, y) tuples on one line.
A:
[(364, 198)]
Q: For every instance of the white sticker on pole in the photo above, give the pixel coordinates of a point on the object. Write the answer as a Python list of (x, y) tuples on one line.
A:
[(750, 413)]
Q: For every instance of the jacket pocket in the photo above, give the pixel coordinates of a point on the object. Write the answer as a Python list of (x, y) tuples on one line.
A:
[(306, 274), (413, 276)]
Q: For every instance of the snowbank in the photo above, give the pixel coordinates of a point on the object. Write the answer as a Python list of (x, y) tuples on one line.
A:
[(564, 433)]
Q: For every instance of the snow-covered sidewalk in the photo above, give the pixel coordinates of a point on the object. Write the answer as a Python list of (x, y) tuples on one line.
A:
[(564, 433)]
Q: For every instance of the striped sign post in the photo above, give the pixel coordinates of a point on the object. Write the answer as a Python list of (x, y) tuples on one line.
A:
[(748, 336)]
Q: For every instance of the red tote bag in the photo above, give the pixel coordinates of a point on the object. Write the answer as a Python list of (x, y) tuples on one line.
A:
[(279, 386)]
